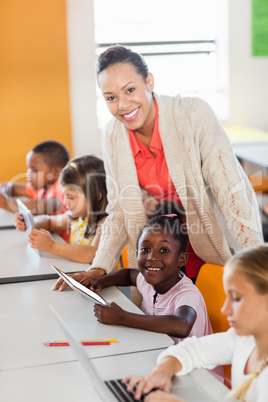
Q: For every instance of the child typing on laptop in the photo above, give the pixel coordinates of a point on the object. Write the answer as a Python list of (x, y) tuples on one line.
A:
[(171, 302), (42, 194)]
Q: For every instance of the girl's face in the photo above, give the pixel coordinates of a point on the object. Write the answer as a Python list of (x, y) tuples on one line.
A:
[(159, 258), (128, 95), (245, 308), (39, 173), (75, 201)]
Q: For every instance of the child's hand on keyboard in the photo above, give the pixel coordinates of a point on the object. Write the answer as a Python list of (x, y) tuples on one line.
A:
[(156, 380)]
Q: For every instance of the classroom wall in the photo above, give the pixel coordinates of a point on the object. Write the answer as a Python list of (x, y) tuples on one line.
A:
[(248, 75), (35, 72), (34, 94)]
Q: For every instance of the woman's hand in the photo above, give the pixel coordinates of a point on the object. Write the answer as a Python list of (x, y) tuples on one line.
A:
[(41, 239), (110, 314), (19, 223), (79, 277)]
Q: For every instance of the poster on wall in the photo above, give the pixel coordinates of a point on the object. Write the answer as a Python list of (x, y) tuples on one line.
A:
[(259, 27)]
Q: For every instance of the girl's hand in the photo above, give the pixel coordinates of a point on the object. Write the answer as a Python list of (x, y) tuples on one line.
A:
[(19, 223), (110, 314), (79, 277), (158, 379), (41, 239)]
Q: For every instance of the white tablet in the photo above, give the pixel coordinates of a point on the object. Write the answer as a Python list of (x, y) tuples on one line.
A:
[(26, 214), (28, 219), (79, 287)]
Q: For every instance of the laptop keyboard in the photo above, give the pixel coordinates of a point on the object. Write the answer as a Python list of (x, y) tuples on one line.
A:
[(120, 391)]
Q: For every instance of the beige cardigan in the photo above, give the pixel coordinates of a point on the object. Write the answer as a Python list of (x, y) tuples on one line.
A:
[(221, 208)]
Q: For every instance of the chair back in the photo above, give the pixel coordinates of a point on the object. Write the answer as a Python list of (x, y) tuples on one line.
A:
[(124, 258), (209, 282)]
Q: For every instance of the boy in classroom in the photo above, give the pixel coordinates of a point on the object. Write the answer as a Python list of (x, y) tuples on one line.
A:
[(83, 183), (42, 193), (244, 345), (171, 302)]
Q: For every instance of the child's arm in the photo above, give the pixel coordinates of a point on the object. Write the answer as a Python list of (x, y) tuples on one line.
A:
[(53, 223), (43, 241), (9, 193), (122, 277), (178, 325), (46, 206)]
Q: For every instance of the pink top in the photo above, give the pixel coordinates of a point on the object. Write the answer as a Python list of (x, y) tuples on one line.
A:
[(184, 293)]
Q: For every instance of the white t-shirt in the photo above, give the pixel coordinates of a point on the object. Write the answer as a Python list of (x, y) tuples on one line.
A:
[(221, 348)]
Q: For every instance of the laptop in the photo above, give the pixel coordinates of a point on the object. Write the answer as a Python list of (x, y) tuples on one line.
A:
[(77, 286), (28, 219), (190, 388)]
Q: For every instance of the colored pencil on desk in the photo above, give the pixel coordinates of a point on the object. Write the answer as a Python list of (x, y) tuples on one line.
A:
[(91, 340), (82, 343)]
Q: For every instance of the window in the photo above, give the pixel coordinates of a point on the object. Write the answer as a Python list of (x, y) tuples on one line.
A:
[(183, 42)]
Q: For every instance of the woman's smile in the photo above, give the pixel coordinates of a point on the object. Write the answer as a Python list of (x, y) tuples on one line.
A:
[(132, 115)]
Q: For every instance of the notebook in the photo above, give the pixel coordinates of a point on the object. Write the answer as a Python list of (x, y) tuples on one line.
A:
[(28, 220), (188, 388), (77, 286)]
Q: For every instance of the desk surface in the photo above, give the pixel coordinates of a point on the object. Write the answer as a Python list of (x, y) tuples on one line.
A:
[(68, 381), (7, 219), (254, 152), (19, 262), (242, 134), (27, 322)]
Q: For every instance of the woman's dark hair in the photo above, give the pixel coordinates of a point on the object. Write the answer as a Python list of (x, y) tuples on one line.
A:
[(120, 54), (87, 173), (53, 153), (169, 216)]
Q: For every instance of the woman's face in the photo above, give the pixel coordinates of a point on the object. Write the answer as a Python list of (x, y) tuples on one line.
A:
[(246, 309), (128, 95)]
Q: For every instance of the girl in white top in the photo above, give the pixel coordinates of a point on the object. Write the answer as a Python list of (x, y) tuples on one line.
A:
[(244, 345)]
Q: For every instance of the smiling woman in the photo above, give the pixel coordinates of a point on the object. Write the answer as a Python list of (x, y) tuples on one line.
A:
[(174, 148)]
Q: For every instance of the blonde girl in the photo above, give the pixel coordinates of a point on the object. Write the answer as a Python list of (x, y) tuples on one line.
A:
[(244, 345)]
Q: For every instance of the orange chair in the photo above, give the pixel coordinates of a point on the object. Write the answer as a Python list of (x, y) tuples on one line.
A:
[(209, 282), (259, 183), (124, 258)]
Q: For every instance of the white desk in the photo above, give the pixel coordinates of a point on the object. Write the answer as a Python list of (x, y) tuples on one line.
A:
[(27, 322), (68, 381), (19, 262), (7, 219), (254, 152)]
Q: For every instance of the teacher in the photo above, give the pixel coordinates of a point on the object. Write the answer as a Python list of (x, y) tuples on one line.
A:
[(168, 148)]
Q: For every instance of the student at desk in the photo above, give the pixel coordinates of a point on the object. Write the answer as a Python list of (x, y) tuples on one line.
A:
[(244, 345), (83, 183), (44, 164), (171, 302)]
